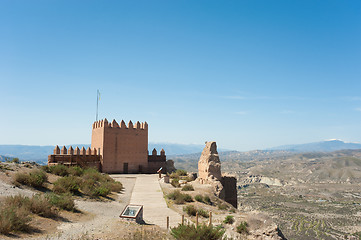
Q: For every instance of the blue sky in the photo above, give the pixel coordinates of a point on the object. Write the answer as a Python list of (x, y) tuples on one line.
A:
[(247, 74)]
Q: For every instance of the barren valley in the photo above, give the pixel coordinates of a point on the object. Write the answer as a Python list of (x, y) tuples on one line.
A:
[(309, 195)]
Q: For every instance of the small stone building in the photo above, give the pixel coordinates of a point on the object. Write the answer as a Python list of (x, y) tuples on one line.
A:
[(115, 148)]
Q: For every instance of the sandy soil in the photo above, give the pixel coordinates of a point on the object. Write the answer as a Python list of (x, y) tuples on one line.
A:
[(96, 219), (103, 217)]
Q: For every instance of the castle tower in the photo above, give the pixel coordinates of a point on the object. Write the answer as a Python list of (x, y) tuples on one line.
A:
[(124, 149)]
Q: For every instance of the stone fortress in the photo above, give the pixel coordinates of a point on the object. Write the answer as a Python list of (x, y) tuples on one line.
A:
[(115, 148)]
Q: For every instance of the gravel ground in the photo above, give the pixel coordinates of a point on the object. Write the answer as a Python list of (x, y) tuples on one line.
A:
[(105, 217)]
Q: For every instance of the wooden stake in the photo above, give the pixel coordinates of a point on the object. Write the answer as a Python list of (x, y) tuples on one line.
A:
[(210, 218), (182, 219), (167, 222), (197, 219)]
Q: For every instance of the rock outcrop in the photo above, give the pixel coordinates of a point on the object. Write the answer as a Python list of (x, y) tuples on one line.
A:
[(209, 165), (209, 172)]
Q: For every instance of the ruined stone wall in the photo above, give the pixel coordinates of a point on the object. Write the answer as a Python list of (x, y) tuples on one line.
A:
[(229, 184), (209, 172), (124, 149)]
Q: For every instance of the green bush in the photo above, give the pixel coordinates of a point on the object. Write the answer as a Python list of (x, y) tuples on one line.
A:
[(198, 198), (181, 172), (67, 184), (207, 200), (35, 178), (15, 160), (59, 170), (175, 183), (179, 198), (13, 219), (201, 232), (229, 220), (242, 228), (176, 196), (75, 171), (64, 201), (87, 181), (190, 210), (203, 213), (187, 198), (187, 187), (101, 190), (45, 168), (92, 173), (174, 175)]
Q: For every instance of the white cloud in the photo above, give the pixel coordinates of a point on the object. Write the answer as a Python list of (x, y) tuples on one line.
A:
[(358, 109)]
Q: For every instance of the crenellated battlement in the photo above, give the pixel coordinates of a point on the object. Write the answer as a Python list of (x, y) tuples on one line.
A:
[(105, 124), (76, 151), (75, 157)]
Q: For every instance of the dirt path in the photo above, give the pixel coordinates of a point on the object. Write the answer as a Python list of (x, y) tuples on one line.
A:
[(105, 215)]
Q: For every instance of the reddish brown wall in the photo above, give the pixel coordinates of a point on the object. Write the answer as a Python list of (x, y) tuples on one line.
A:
[(155, 162), (76, 160), (121, 144)]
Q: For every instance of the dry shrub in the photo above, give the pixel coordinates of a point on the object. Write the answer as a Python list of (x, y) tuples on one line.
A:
[(198, 198), (242, 228), (69, 184), (229, 219), (64, 201), (190, 210), (175, 183), (37, 204), (14, 219), (41, 206), (75, 171), (59, 170), (35, 178), (179, 198), (200, 232), (187, 187)]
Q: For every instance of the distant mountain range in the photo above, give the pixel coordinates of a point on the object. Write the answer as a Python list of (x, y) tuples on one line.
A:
[(323, 146), (40, 153)]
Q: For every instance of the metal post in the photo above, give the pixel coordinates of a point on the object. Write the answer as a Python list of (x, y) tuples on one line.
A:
[(197, 219), (182, 219), (167, 222)]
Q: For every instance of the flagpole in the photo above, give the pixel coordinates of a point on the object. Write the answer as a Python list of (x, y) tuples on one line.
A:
[(96, 118)]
